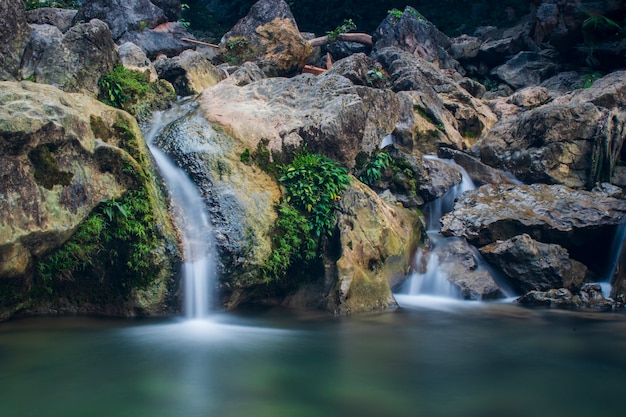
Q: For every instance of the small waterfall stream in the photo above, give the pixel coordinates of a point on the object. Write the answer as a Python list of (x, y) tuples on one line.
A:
[(429, 279), (192, 219)]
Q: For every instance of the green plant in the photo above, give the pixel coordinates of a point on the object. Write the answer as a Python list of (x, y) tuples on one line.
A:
[(395, 13), (292, 243), (375, 76), (347, 26), (122, 87), (398, 14), (313, 184), (374, 169)]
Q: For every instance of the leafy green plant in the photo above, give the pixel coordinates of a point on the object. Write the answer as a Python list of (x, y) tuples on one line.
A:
[(374, 169), (313, 184), (347, 26), (376, 76), (398, 14), (292, 243)]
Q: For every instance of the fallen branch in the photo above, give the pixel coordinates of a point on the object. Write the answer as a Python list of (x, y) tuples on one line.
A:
[(212, 45), (362, 38)]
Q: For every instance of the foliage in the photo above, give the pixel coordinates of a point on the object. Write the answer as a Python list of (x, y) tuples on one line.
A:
[(63, 4), (292, 243), (183, 21), (376, 76), (122, 232), (347, 26), (313, 184), (597, 28), (398, 14), (237, 50), (374, 169), (132, 91), (589, 77)]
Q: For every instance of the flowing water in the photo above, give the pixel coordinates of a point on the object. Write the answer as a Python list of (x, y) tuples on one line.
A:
[(428, 284), (193, 220)]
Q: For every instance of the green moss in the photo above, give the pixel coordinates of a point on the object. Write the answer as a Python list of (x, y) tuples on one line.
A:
[(119, 237), (47, 173), (237, 50), (132, 91)]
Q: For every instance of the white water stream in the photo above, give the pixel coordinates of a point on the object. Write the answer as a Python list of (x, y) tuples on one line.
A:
[(192, 219), (429, 280)]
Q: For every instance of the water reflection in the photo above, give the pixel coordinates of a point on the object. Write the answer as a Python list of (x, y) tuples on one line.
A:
[(463, 359)]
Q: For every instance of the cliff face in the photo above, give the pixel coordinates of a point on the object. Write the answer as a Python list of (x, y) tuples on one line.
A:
[(80, 212)]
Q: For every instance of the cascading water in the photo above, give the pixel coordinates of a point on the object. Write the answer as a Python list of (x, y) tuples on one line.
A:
[(429, 279), (192, 219)]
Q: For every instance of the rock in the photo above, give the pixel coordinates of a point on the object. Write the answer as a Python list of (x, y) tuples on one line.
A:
[(121, 15), (479, 173), (412, 33), (361, 70), (557, 298), (377, 241), (240, 198), (15, 33), (570, 140), (530, 265), (270, 37), (164, 39), (580, 221), (439, 179), (61, 18), (327, 113), (61, 156), (244, 74), (530, 97), (73, 61), (171, 8), (459, 264), (527, 69), (473, 87), (189, 73), (435, 110), (134, 58), (464, 47), (589, 297)]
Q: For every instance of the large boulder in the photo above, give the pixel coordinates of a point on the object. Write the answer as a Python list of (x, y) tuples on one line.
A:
[(327, 113), (189, 73), (60, 18), (164, 39), (412, 33), (14, 33), (531, 265), (582, 222), (63, 158), (527, 69), (434, 109), (74, 61), (377, 241), (121, 15), (268, 36), (575, 140)]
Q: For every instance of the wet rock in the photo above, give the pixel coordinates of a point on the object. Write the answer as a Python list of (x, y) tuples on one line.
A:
[(268, 36), (15, 33), (531, 265), (439, 179), (459, 263), (377, 241), (590, 296), (73, 61), (242, 75), (189, 73), (121, 15), (479, 173), (61, 155), (60, 18), (580, 221), (435, 111), (573, 140)]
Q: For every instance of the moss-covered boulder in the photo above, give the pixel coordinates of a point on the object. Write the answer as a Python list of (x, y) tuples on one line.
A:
[(377, 241), (83, 226)]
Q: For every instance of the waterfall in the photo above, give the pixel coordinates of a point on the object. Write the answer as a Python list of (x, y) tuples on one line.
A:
[(192, 219), (428, 278)]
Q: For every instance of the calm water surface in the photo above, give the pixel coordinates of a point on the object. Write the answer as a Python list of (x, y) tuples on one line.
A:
[(457, 359)]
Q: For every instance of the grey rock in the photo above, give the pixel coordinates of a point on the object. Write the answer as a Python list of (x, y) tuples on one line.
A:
[(61, 18), (15, 34)]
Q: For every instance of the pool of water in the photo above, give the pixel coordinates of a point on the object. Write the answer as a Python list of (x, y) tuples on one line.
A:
[(427, 359)]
